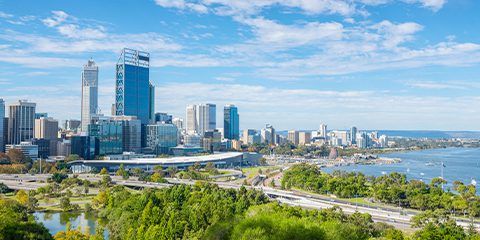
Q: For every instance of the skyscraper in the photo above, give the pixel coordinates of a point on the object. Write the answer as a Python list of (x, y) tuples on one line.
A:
[(134, 93), (293, 137), (89, 93), (2, 134), (323, 131), (191, 116), (231, 124), (21, 122), (353, 135), (206, 118), (46, 128)]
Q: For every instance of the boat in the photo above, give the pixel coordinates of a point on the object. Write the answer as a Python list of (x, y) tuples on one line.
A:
[(383, 172), (429, 164), (474, 183), (422, 174)]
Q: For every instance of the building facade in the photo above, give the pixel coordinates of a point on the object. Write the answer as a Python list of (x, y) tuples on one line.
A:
[(109, 134), (133, 92), (27, 148), (231, 122), (2, 128), (161, 137), (21, 122), (191, 119), (89, 93), (131, 133), (46, 128), (293, 137)]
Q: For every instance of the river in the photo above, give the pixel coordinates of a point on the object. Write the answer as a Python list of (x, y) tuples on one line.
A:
[(461, 164)]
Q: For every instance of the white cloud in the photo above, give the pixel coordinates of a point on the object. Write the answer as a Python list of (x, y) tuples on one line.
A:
[(395, 34), (57, 18), (434, 5), (444, 85)]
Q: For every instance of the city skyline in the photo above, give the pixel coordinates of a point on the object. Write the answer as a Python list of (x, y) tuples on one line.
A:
[(351, 64)]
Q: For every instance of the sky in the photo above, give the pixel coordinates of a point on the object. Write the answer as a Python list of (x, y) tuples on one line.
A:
[(374, 64)]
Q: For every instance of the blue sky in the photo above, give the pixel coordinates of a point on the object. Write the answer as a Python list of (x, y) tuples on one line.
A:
[(376, 64)]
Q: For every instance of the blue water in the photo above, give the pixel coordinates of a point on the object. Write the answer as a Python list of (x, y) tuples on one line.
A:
[(461, 164)]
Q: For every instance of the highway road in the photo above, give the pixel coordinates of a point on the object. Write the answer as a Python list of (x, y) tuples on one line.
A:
[(293, 198)]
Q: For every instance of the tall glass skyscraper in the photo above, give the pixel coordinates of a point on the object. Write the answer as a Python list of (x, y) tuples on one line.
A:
[(231, 124), (2, 134), (89, 93), (134, 92)]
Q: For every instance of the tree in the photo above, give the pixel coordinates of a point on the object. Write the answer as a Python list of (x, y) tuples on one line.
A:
[(122, 172), (72, 157), (171, 171), (58, 177), (22, 197), (4, 188), (104, 171), (4, 158), (17, 157), (156, 177), (66, 205)]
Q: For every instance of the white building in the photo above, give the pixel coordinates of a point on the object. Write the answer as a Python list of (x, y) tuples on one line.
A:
[(89, 93), (322, 132), (191, 119), (21, 122), (27, 148)]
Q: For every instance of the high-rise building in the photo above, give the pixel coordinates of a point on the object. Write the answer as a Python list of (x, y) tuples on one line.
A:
[(191, 119), (72, 124), (89, 93), (85, 147), (267, 135), (293, 137), (231, 122), (132, 133), (21, 122), (206, 118), (109, 134), (247, 135), (304, 138), (46, 128), (40, 115), (2, 117), (134, 92), (161, 137), (192, 140), (5, 132), (179, 123), (323, 131), (163, 118), (353, 135), (212, 140)]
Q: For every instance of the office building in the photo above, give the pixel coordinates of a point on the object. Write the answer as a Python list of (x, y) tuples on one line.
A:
[(5, 132), (191, 119), (353, 135), (293, 137), (304, 138), (72, 124), (134, 93), (21, 122), (192, 140), (163, 118), (322, 132), (231, 122), (268, 135), (27, 148), (161, 137), (40, 115), (86, 147), (109, 134), (212, 141), (46, 128), (2, 128), (179, 123), (64, 148), (247, 135), (383, 141), (43, 147), (206, 118), (89, 93), (131, 133)]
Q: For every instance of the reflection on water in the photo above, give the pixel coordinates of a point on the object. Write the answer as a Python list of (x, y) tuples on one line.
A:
[(461, 164), (56, 222)]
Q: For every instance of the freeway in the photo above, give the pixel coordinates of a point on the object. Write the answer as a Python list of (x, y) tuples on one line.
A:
[(400, 219)]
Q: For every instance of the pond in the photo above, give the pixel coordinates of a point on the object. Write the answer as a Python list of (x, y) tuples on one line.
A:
[(57, 221)]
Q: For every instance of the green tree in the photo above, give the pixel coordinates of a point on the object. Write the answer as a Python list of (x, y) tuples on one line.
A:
[(103, 171)]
